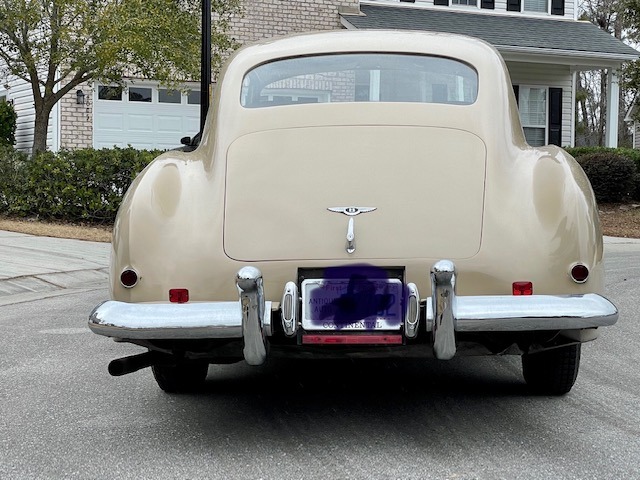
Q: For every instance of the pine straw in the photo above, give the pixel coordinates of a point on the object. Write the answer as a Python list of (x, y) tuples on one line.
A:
[(618, 220), (56, 229)]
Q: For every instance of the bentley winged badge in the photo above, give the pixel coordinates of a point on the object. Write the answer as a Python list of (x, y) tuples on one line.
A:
[(351, 212)]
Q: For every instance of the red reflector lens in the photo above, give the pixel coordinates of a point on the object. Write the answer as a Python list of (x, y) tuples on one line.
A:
[(129, 278), (352, 339), (178, 295), (522, 288), (579, 273)]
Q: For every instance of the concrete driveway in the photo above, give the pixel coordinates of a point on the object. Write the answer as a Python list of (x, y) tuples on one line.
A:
[(33, 267)]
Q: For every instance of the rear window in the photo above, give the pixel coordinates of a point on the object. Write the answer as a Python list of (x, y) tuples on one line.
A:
[(362, 77)]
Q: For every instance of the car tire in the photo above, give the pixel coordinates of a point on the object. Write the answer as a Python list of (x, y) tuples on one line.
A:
[(185, 376), (552, 372)]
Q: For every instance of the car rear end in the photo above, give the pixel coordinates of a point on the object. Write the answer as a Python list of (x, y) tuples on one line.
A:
[(366, 202)]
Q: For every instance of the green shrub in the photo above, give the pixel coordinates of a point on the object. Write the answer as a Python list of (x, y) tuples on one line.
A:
[(612, 175), (74, 185), (630, 153), (8, 120), (12, 177)]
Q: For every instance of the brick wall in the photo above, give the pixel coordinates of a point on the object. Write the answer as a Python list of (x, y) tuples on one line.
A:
[(267, 18), (76, 121)]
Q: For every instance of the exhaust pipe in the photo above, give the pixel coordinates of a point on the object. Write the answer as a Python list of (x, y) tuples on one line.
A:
[(133, 363)]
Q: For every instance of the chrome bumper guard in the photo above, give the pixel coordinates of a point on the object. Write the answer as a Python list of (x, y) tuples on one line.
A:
[(446, 313)]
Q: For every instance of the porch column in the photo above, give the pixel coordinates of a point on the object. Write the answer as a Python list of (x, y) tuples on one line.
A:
[(613, 99)]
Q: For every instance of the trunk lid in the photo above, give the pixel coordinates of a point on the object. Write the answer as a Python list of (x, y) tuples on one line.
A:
[(426, 184)]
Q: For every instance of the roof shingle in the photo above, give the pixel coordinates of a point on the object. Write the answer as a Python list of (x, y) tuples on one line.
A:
[(506, 31)]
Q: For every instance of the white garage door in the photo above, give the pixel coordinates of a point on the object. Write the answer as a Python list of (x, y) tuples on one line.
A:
[(144, 116)]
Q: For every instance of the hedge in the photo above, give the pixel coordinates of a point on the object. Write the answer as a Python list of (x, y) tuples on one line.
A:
[(632, 153), (72, 185), (12, 177), (614, 173)]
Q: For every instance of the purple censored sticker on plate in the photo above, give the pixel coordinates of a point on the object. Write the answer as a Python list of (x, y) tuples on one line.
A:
[(353, 298)]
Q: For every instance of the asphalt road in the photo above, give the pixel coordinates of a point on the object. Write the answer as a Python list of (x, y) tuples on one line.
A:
[(63, 416)]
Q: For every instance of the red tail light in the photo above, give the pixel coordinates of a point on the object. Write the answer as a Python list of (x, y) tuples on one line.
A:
[(178, 295), (579, 273), (522, 288), (129, 278)]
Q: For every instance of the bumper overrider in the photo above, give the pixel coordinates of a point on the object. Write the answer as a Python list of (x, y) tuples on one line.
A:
[(446, 314)]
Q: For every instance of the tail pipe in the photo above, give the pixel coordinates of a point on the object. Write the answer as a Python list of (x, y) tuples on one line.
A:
[(133, 363)]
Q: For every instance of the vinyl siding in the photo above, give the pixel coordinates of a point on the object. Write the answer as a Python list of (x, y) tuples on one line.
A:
[(19, 92), (534, 74)]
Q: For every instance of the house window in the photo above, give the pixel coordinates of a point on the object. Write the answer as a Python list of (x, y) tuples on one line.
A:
[(541, 6), (193, 98), (293, 97), (169, 96), (362, 86), (533, 114), (471, 3), (109, 93), (139, 94)]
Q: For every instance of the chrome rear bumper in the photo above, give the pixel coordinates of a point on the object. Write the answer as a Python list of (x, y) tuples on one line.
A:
[(446, 313), (151, 321), (248, 319)]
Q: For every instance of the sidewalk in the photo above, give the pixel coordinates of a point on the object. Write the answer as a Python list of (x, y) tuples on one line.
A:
[(618, 244), (37, 267)]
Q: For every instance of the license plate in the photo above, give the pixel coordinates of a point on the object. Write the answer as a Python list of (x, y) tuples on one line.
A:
[(352, 304)]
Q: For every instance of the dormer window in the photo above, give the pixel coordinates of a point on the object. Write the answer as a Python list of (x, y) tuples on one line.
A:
[(488, 4), (541, 6)]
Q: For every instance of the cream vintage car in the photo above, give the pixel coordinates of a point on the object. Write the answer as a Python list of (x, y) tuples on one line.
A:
[(358, 193)]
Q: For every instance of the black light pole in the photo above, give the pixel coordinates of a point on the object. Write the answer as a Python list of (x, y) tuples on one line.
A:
[(205, 62)]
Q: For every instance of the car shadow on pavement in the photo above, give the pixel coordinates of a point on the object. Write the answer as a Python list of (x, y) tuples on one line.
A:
[(336, 402), (473, 376)]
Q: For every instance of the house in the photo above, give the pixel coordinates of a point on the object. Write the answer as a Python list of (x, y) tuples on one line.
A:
[(145, 115), (631, 117), (541, 41)]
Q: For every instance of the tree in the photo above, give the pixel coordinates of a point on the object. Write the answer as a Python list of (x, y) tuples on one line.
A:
[(55, 45), (632, 69), (610, 16)]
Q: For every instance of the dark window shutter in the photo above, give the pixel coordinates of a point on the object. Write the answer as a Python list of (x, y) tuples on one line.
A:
[(557, 7), (443, 3), (555, 116), (490, 4), (516, 91), (513, 5)]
